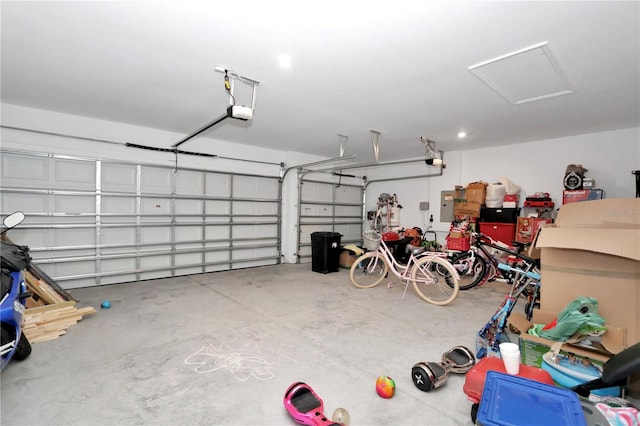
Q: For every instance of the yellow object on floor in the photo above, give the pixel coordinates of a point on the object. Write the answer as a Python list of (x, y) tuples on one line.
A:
[(354, 248)]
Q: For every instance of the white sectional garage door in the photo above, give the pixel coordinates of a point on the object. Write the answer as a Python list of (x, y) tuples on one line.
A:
[(92, 222), (328, 207)]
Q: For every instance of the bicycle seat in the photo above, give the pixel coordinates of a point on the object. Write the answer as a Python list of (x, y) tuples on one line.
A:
[(414, 250)]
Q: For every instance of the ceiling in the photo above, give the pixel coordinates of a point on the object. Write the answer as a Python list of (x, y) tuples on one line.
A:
[(399, 68)]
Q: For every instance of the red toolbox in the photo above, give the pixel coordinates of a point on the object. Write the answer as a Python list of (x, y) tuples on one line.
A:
[(504, 232)]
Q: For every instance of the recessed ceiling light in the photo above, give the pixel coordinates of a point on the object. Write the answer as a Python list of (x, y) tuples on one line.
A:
[(284, 61), (462, 135)]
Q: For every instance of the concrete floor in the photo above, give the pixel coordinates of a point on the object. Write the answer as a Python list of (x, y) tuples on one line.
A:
[(222, 348)]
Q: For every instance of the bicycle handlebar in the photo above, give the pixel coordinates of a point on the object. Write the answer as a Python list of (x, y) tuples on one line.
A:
[(532, 275)]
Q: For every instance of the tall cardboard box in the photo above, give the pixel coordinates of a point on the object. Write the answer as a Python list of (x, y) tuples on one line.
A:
[(593, 249)]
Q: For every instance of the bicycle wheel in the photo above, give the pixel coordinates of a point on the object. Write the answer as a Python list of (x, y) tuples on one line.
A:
[(368, 270), (431, 285), (471, 269)]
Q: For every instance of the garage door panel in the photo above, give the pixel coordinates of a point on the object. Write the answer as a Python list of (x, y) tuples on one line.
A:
[(119, 178), (74, 204), (122, 205), (350, 211), (328, 207), (24, 202), (313, 191), (217, 232), (115, 265), (246, 254), (74, 175), (249, 186), (217, 256), (254, 231), (188, 233), (154, 275), (118, 236), (71, 237), (152, 205), (348, 194), (187, 259), (137, 221), (217, 184), (350, 232), (160, 235), (253, 208), (217, 268), (189, 207), (189, 182), (75, 268), (312, 210), (160, 262), (25, 172), (218, 207), (155, 180)]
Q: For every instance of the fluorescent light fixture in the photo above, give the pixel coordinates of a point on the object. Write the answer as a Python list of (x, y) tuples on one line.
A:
[(462, 135)]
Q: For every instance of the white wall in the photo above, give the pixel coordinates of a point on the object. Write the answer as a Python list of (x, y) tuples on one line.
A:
[(534, 166)]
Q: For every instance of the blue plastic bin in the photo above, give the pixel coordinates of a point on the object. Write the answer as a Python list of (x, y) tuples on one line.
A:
[(512, 400)]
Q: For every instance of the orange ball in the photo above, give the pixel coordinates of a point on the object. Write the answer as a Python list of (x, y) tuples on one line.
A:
[(385, 386)]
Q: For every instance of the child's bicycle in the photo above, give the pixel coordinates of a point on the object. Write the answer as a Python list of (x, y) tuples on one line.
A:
[(432, 275), (490, 336)]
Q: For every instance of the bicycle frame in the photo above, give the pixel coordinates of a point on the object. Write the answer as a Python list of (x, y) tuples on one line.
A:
[(403, 271), (481, 247)]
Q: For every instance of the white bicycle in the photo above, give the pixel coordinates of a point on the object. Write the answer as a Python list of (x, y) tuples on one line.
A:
[(432, 275)]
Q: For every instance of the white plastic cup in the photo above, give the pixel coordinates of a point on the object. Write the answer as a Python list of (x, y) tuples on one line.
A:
[(510, 354)]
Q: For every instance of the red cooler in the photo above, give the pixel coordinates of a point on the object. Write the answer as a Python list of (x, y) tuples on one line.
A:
[(474, 381)]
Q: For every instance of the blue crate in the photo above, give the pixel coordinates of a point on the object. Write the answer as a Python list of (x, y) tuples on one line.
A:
[(511, 400)]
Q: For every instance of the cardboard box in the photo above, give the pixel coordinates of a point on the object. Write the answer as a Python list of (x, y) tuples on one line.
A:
[(476, 192), (528, 227), (346, 259), (533, 347), (593, 250), (581, 195), (466, 209)]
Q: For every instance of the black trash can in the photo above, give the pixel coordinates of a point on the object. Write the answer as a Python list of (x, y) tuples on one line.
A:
[(325, 252)]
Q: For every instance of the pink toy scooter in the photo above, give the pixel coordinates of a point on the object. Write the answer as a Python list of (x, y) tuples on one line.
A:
[(305, 406)]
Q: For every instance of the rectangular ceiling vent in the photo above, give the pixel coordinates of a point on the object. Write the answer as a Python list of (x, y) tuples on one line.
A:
[(526, 75)]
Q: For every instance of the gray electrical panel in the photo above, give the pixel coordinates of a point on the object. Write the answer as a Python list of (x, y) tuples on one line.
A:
[(446, 206)]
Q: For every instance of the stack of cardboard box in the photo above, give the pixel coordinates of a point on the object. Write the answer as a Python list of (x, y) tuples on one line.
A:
[(592, 250), (469, 200)]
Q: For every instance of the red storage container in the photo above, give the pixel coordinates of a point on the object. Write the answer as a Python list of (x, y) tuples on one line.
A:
[(462, 243), (475, 378), (504, 232)]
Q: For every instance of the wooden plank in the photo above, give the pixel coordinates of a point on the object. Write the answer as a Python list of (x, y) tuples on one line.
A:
[(43, 276), (50, 291), (47, 336), (30, 302), (87, 310), (50, 307), (34, 285)]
